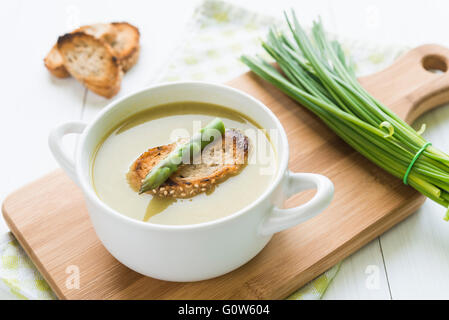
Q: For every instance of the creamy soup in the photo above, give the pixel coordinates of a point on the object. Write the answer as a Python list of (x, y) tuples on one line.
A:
[(165, 124)]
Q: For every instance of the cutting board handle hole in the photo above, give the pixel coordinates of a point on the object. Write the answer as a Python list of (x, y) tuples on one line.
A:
[(435, 64)]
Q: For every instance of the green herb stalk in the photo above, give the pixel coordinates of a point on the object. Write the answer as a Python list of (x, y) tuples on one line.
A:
[(317, 74)]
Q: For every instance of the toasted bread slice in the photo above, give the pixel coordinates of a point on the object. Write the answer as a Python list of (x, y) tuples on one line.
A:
[(104, 31), (92, 62), (217, 164), (55, 64), (125, 44), (121, 36), (108, 91), (54, 61)]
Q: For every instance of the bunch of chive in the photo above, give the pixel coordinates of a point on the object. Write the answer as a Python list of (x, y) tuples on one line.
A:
[(317, 74)]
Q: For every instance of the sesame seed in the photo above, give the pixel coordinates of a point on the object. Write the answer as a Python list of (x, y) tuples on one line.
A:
[(203, 189), (172, 191), (196, 186), (183, 194), (165, 193)]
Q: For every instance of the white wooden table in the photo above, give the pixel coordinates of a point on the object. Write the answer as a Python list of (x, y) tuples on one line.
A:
[(409, 261)]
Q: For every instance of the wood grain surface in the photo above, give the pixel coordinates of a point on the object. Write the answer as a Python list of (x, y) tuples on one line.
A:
[(50, 220)]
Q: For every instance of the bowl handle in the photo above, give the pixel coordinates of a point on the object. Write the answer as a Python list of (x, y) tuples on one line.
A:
[(56, 146), (281, 219)]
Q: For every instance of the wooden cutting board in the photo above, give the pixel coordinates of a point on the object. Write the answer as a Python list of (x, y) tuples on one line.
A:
[(49, 217)]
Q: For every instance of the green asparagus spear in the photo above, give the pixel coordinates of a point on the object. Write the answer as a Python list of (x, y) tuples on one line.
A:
[(183, 153)]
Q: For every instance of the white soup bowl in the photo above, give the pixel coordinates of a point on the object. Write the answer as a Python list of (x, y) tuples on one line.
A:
[(199, 251)]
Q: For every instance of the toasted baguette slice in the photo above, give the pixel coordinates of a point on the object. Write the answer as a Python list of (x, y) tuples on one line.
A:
[(121, 36), (217, 164), (108, 91), (125, 44), (55, 64), (92, 62), (104, 31)]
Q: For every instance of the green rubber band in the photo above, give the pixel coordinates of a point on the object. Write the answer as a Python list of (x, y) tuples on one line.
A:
[(413, 161)]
